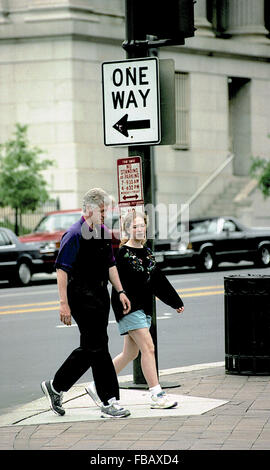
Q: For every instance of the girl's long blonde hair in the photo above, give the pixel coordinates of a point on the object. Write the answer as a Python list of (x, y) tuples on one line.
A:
[(128, 220)]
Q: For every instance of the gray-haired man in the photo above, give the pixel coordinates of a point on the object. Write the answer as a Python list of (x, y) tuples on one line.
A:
[(84, 265)]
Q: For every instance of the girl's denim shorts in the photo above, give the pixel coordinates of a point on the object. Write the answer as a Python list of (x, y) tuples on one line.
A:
[(134, 321)]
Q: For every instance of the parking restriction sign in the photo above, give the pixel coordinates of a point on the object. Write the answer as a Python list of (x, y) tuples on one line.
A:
[(129, 176)]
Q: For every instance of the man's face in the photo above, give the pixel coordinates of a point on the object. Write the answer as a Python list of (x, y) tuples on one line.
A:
[(98, 215)]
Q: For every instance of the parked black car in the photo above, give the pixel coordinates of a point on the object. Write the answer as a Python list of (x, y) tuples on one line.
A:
[(18, 261), (212, 240)]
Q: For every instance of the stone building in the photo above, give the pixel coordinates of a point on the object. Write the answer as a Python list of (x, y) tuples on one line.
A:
[(50, 78)]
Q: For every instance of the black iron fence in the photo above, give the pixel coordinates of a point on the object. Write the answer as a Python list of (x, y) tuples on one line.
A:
[(27, 222)]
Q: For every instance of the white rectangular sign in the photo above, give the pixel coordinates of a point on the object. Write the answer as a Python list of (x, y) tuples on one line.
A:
[(130, 186), (131, 102)]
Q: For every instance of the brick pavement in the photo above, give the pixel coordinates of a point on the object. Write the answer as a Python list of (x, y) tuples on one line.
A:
[(243, 423)]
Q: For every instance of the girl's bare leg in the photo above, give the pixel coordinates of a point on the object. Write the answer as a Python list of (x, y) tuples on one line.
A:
[(129, 353), (143, 340)]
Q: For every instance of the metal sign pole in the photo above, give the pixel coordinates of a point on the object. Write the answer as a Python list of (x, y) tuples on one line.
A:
[(144, 151)]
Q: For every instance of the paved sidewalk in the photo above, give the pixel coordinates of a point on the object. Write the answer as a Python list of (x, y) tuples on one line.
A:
[(233, 413)]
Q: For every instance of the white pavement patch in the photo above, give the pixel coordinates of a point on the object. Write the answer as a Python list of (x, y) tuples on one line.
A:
[(137, 401), (79, 406), (83, 409)]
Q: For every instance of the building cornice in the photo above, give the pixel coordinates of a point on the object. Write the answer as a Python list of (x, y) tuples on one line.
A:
[(89, 24)]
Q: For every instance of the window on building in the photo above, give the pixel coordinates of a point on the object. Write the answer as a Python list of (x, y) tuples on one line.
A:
[(239, 92), (182, 103)]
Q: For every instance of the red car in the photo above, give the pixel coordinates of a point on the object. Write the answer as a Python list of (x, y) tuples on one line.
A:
[(53, 225)]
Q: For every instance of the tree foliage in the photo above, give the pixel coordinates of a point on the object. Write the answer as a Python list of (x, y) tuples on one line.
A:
[(260, 169), (22, 185)]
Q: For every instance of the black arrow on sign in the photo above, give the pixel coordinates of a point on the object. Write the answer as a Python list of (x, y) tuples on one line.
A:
[(129, 197), (123, 125)]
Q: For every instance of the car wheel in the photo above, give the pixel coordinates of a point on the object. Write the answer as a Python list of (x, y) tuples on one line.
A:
[(264, 256), (24, 274), (207, 261)]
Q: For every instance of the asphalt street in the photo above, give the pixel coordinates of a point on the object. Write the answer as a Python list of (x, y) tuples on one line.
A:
[(34, 343)]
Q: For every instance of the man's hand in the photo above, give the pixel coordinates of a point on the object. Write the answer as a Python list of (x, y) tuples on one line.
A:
[(65, 315), (125, 302), (115, 281), (62, 279)]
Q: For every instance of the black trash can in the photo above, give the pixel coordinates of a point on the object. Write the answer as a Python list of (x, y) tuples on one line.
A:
[(247, 324)]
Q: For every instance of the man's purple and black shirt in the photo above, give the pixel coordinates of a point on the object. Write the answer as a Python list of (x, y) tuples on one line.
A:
[(86, 255)]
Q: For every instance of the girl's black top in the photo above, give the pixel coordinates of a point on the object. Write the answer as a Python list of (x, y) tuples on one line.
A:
[(141, 278)]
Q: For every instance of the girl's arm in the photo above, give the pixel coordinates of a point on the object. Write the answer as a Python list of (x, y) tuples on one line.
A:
[(164, 290)]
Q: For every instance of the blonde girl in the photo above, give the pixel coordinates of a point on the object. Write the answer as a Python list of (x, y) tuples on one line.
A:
[(141, 279)]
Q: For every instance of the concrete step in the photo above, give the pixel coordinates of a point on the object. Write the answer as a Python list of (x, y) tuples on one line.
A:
[(225, 203)]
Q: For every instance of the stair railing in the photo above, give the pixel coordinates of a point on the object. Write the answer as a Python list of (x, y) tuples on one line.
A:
[(184, 209)]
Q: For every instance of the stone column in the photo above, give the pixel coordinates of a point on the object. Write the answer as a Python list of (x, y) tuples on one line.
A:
[(204, 27), (246, 20)]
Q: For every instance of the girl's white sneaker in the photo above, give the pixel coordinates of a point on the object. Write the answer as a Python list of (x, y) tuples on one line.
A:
[(162, 401)]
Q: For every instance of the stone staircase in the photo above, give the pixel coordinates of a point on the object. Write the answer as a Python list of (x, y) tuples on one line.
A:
[(235, 199)]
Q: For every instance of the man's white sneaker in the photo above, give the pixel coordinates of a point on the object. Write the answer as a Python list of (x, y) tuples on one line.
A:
[(113, 410), (162, 401), (91, 390)]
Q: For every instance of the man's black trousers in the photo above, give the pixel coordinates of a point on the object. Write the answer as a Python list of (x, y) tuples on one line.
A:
[(91, 312)]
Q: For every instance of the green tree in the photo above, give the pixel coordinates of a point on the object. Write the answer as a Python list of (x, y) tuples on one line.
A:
[(260, 169), (22, 185)]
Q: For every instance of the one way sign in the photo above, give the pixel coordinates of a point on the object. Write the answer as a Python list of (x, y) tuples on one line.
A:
[(131, 103)]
